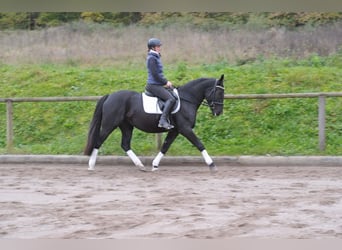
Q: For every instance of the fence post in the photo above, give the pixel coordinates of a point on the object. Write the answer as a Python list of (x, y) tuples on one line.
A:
[(159, 140), (9, 117), (321, 122)]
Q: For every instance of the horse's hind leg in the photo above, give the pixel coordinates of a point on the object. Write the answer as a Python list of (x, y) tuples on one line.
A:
[(104, 133), (126, 131), (92, 159)]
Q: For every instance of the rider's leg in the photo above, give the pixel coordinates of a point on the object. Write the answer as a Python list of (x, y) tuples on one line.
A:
[(169, 100), (164, 118)]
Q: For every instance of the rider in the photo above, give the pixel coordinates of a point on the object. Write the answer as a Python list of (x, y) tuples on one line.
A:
[(157, 84)]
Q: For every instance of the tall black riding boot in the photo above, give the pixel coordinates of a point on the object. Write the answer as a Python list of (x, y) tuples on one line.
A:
[(164, 119)]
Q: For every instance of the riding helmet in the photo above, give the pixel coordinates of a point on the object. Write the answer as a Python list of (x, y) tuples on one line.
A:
[(153, 42)]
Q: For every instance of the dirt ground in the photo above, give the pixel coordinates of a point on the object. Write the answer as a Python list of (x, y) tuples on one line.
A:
[(120, 202)]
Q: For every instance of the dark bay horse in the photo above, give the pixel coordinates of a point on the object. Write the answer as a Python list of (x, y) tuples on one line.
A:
[(124, 109)]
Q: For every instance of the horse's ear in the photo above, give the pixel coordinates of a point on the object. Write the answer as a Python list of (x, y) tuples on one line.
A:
[(221, 78)]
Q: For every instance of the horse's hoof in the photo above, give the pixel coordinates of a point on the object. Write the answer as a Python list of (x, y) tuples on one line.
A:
[(154, 168), (91, 169), (91, 165), (142, 168), (213, 168)]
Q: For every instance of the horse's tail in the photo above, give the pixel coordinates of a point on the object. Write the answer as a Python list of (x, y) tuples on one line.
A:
[(95, 125)]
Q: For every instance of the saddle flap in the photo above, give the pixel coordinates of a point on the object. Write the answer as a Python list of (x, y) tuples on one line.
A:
[(153, 105)]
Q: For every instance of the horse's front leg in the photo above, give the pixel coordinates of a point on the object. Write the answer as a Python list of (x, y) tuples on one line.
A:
[(191, 136), (171, 136)]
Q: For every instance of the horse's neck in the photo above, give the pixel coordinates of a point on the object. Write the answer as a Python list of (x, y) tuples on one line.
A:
[(194, 91)]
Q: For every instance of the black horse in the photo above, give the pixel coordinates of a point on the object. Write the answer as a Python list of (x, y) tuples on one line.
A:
[(124, 109)]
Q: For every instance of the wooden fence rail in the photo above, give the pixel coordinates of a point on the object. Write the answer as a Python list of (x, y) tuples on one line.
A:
[(320, 96)]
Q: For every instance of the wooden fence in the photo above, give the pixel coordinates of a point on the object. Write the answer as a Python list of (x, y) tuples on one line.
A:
[(320, 96)]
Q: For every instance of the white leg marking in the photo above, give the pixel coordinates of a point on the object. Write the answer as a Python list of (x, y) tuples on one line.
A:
[(206, 157), (92, 159), (156, 161), (135, 159)]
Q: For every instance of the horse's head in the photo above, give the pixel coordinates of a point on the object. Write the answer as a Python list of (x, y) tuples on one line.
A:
[(215, 97)]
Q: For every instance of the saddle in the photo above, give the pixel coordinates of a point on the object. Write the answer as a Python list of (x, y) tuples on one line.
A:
[(154, 105)]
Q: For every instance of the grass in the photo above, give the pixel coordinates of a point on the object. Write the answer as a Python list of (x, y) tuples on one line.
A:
[(252, 127)]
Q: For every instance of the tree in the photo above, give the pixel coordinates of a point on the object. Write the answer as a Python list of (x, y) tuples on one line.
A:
[(47, 19)]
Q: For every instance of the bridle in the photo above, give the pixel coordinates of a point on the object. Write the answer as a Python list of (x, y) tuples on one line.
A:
[(213, 102)]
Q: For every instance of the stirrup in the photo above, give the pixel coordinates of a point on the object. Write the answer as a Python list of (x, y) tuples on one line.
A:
[(166, 126)]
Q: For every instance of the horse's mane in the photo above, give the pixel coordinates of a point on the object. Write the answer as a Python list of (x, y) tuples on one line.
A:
[(196, 81), (189, 91)]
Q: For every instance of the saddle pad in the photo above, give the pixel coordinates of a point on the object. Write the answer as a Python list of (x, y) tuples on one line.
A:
[(151, 106)]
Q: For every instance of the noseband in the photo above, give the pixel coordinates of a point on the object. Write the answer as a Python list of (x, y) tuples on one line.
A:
[(213, 102)]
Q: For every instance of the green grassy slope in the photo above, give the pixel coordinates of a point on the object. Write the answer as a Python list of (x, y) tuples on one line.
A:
[(253, 127)]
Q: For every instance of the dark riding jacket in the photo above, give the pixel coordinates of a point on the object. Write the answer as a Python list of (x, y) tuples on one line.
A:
[(154, 65)]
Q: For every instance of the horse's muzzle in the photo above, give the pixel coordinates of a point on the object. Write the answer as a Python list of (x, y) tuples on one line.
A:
[(217, 112)]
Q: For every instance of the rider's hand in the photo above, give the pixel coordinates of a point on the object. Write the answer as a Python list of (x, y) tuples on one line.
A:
[(169, 84)]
